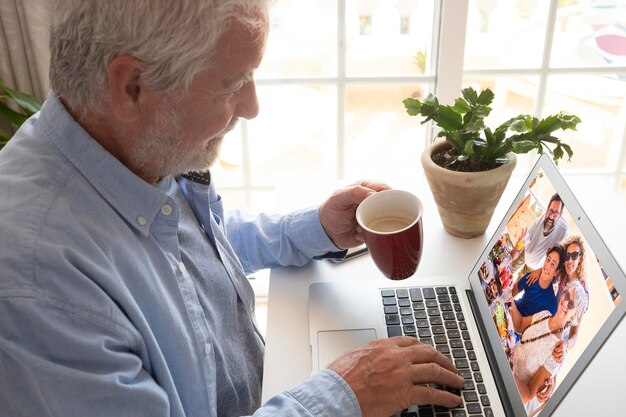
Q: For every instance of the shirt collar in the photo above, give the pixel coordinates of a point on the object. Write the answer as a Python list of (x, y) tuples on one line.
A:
[(137, 201)]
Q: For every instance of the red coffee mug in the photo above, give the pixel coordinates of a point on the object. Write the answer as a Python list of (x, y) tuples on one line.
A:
[(391, 221)]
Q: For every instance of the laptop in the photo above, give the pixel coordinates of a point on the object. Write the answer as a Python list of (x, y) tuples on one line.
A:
[(472, 319)]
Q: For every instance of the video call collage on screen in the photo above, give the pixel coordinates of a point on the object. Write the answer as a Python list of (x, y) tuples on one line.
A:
[(531, 326)]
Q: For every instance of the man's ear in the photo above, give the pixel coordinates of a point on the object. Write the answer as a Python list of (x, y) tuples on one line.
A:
[(126, 86)]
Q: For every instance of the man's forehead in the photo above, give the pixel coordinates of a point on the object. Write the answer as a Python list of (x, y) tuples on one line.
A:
[(556, 203)]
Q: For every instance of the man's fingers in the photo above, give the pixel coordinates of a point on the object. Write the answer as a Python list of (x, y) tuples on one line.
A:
[(423, 394), (430, 365), (559, 351), (431, 372), (373, 185), (363, 189), (404, 341), (424, 353)]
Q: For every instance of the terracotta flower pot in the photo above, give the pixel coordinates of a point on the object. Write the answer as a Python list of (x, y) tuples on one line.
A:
[(465, 200)]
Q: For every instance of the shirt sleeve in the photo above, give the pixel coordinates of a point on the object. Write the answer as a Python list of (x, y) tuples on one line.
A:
[(270, 240), (522, 283), (262, 240), (552, 365), (326, 394)]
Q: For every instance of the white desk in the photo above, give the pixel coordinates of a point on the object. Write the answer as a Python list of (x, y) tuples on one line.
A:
[(599, 391)]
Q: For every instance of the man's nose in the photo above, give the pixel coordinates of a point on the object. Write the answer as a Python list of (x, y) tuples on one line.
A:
[(248, 104)]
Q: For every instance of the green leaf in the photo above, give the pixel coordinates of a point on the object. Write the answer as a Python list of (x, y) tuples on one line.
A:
[(475, 126), (486, 97), (490, 138), (524, 146), (448, 119), (4, 137), (28, 103), (469, 148), (557, 154), (568, 121), (568, 150), (482, 111), (480, 143), (431, 100), (470, 95), (461, 106), (548, 125), (452, 138), (14, 117), (412, 106), (522, 123)]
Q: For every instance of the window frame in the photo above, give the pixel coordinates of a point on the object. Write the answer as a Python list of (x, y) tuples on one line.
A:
[(446, 75)]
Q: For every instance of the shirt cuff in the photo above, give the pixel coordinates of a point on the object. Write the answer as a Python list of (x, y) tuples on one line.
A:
[(327, 394), (307, 233)]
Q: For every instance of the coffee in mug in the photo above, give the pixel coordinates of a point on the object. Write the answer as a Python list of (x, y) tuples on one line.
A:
[(390, 223)]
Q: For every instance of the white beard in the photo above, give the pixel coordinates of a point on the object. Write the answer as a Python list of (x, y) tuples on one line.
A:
[(160, 150)]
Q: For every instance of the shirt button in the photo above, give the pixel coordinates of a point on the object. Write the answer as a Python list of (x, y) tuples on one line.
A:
[(141, 220), (166, 210), (207, 348)]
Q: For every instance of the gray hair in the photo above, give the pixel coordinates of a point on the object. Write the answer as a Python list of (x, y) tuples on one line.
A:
[(174, 39), (580, 299)]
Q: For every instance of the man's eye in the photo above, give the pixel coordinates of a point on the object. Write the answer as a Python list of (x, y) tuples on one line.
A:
[(236, 87)]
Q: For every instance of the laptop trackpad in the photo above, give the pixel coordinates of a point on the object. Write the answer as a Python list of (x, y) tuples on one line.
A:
[(334, 343)]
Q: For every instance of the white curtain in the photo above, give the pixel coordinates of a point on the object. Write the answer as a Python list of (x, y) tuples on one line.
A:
[(24, 54)]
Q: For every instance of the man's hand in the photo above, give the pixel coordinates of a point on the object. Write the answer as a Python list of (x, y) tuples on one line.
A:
[(386, 374), (337, 214), (518, 245), (545, 393), (559, 350), (533, 277)]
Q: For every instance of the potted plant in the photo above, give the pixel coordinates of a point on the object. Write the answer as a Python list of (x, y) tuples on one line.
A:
[(24, 104), (468, 169)]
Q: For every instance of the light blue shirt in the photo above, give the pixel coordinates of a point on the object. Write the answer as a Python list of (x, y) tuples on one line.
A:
[(118, 298)]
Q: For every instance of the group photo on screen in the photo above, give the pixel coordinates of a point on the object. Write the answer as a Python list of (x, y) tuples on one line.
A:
[(547, 292)]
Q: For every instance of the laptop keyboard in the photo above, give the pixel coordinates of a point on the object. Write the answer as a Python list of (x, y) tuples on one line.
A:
[(434, 315)]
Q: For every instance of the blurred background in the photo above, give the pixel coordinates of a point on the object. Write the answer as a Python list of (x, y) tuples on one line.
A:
[(336, 71)]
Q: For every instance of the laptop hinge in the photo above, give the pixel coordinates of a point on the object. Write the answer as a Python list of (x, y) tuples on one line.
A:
[(491, 358)]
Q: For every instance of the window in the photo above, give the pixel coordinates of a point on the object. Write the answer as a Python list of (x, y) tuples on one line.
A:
[(331, 87), (542, 57), (336, 71)]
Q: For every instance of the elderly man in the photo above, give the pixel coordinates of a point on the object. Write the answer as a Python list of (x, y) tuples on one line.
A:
[(123, 288)]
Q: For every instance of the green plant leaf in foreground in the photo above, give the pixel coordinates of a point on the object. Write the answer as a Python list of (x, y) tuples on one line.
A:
[(29, 104), (16, 119), (23, 106)]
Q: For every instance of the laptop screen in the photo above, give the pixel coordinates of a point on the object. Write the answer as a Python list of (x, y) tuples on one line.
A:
[(547, 291)]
